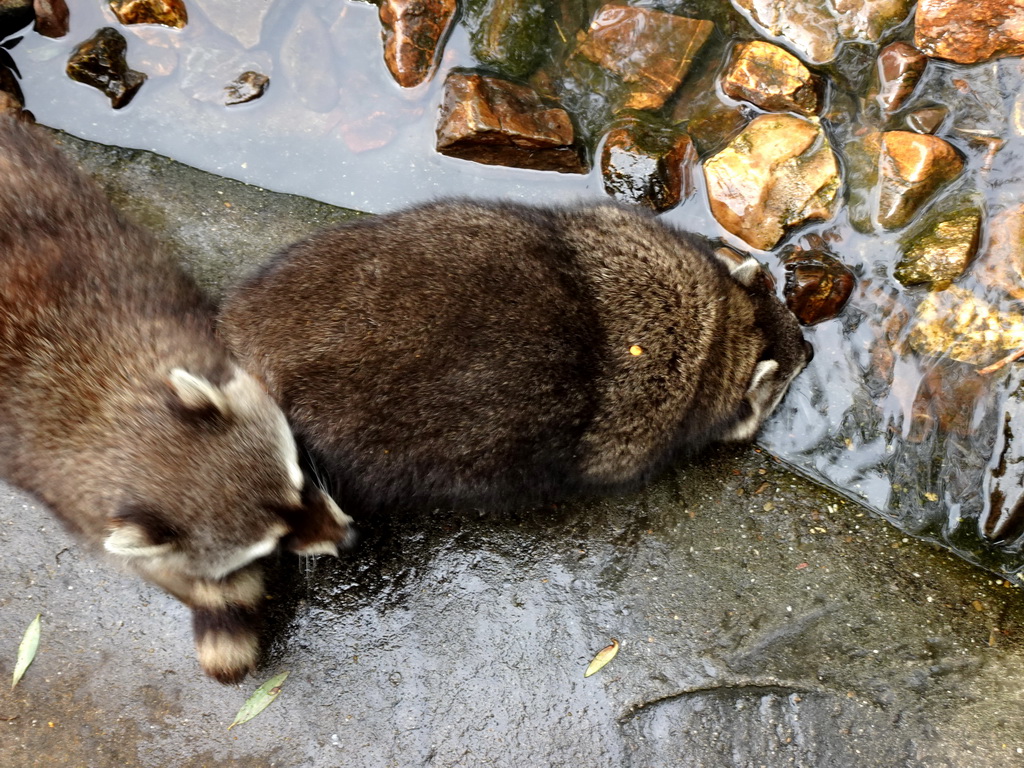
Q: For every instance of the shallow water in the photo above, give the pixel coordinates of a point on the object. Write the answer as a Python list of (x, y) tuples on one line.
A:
[(334, 126)]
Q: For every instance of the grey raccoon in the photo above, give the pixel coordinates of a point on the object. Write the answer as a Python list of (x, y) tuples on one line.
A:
[(123, 412), (498, 355)]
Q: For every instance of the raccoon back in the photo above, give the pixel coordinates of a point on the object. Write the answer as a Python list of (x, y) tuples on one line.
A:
[(497, 354)]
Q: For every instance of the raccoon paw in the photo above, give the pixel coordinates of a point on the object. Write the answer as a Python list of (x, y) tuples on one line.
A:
[(227, 642)]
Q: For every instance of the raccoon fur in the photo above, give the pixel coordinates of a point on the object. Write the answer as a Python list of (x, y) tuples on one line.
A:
[(123, 412), (497, 355)]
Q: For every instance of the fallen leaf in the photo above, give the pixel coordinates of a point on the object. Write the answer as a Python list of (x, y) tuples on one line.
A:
[(260, 700), (27, 649), (603, 657)]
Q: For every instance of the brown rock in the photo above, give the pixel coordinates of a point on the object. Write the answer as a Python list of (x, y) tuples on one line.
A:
[(52, 18), (414, 31), (955, 323), (911, 168), (9, 105), (939, 250), (241, 21), (818, 28), (512, 36), (771, 78), (14, 15), (969, 32), (818, 285), (167, 13), (899, 68), (946, 400), (1000, 270), (9, 84), (496, 122), (649, 50), (100, 62), (778, 173), (927, 119), (248, 86), (308, 60), (647, 167)]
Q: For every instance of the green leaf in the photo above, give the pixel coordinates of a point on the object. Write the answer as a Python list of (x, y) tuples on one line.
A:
[(27, 649), (260, 700)]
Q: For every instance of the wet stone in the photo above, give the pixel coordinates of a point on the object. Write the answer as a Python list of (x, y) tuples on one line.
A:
[(969, 32), (52, 18), (912, 167), (710, 122), (493, 121), (414, 31), (308, 61), (1000, 270), (818, 285), (249, 86), (15, 15), (927, 119), (242, 21), (955, 323), (9, 84), (771, 78), (9, 105), (167, 13), (818, 28), (1002, 520), (939, 250), (778, 173), (946, 401), (100, 62), (899, 68), (648, 167), (510, 35), (651, 51)]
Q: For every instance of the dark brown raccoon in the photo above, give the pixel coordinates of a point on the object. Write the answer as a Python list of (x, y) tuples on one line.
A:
[(498, 355), (122, 411)]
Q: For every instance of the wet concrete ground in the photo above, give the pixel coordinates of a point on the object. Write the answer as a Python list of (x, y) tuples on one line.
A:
[(762, 621)]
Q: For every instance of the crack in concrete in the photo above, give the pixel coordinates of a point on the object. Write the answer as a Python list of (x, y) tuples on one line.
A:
[(755, 688)]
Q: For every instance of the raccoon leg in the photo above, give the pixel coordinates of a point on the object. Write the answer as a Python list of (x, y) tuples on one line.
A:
[(226, 623)]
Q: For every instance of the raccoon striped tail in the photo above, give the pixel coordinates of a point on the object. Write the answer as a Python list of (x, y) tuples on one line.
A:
[(226, 622)]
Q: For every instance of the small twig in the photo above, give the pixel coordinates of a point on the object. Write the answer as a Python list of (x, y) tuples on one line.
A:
[(8, 719), (998, 365)]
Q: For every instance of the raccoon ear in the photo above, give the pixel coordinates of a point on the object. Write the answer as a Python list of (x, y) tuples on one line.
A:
[(196, 394), (139, 531), (745, 272), (763, 370)]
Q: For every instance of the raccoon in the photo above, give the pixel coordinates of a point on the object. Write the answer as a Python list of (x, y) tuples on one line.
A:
[(496, 355), (122, 411)]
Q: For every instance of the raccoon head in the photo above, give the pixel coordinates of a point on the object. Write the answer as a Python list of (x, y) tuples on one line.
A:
[(215, 482), (785, 352)]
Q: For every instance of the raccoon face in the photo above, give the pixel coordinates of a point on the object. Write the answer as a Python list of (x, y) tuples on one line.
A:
[(785, 354), (216, 483)]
